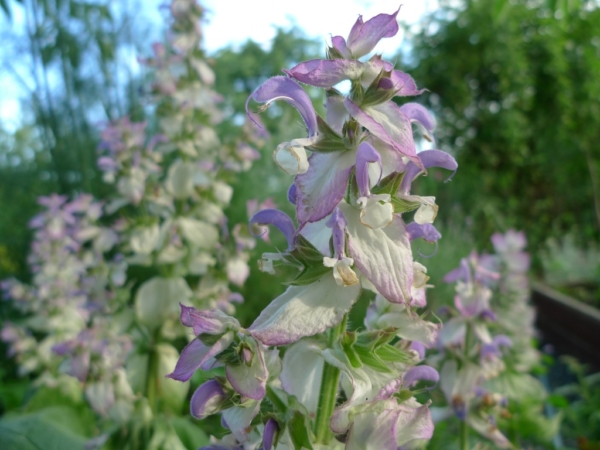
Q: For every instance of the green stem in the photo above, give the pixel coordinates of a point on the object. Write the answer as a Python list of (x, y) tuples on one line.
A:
[(329, 390), (464, 427), (151, 380), (464, 435), (278, 404), (152, 374)]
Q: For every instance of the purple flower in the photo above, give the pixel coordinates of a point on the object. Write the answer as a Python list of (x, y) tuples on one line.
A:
[(282, 88), (207, 399), (364, 36)]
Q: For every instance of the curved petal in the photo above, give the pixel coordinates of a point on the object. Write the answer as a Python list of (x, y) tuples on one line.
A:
[(405, 84), (271, 430), (323, 186), (206, 321), (364, 36), (388, 123), (278, 218), (428, 158), (207, 399), (419, 348), (339, 43), (326, 73), (337, 222), (365, 156), (419, 113), (191, 358), (426, 231), (195, 354), (420, 373), (284, 88), (292, 194)]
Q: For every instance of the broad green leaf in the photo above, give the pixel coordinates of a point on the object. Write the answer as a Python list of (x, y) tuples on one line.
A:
[(190, 434), (48, 429), (298, 427)]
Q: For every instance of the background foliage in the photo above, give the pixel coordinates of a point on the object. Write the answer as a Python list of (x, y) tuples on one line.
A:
[(514, 85), (517, 98)]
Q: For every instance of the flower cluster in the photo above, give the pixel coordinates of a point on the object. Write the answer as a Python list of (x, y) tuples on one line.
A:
[(353, 171), (516, 316), (469, 354), (178, 181), (72, 285), (485, 350), (106, 298)]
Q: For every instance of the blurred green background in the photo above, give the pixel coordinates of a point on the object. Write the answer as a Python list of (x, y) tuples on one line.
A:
[(514, 86)]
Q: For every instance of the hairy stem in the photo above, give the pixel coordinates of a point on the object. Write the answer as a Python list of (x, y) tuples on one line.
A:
[(329, 390)]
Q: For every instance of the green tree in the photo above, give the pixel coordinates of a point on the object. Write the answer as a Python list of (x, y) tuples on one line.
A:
[(71, 59), (521, 77)]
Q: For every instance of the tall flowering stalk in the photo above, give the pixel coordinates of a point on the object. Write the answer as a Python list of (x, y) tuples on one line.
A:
[(71, 292), (469, 353), (486, 352), (297, 377), (172, 190), (169, 239)]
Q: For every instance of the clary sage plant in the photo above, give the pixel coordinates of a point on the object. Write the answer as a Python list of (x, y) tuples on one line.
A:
[(109, 275), (297, 377), (485, 352)]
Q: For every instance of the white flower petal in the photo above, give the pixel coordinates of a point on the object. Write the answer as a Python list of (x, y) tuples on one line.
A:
[(158, 299), (291, 156), (302, 371), (375, 214), (304, 311), (383, 255), (198, 233)]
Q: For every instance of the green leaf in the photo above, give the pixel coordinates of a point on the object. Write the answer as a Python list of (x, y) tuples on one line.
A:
[(305, 252), (370, 359), (190, 434), (310, 275), (517, 386), (347, 344), (390, 353), (389, 185), (47, 429), (312, 259), (357, 92), (298, 427), (330, 141), (353, 356), (402, 206), (558, 401), (376, 338), (403, 395)]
